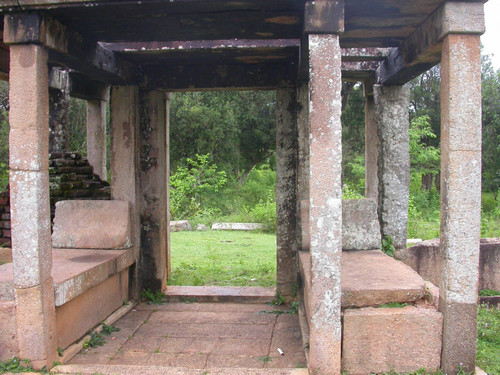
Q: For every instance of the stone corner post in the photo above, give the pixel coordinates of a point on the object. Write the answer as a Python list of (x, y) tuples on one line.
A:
[(460, 182), (286, 191), (393, 123), (29, 189), (96, 134), (59, 101), (371, 148), (125, 165), (154, 184)]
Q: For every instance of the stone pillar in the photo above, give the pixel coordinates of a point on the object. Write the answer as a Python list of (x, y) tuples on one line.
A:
[(460, 198), (286, 191), (59, 101), (153, 181), (124, 129), (392, 117), (325, 203), (303, 166), (96, 137), (371, 149), (29, 199)]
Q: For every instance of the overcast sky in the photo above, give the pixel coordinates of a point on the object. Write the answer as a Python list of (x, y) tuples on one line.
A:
[(491, 38)]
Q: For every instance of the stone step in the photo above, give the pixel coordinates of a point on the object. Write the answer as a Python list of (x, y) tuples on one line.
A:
[(219, 294), (371, 278), (158, 370)]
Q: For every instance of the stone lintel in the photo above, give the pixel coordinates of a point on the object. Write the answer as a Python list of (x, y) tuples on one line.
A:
[(286, 191), (324, 17), (67, 47), (422, 49), (238, 77), (84, 88), (59, 79)]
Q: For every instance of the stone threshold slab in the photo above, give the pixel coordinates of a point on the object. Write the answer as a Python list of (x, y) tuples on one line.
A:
[(74, 271), (371, 278), (242, 294), (158, 370)]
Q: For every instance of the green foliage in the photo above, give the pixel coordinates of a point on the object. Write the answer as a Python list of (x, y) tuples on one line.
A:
[(192, 187), (424, 159), (265, 359), (350, 193), (16, 365), (109, 329), (153, 297), (387, 246), (96, 339), (278, 299), (60, 351), (393, 305), (489, 293), (488, 339)]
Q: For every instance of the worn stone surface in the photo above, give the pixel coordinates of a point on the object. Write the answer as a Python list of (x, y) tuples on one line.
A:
[(124, 129), (35, 319), (8, 327), (92, 225), (460, 197), (391, 114), (236, 226), (201, 227), (377, 340), (325, 202), (7, 289), (286, 191), (220, 294), (303, 166), (59, 101), (180, 225), (489, 265), (371, 149), (78, 316), (96, 136), (360, 225), (154, 185)]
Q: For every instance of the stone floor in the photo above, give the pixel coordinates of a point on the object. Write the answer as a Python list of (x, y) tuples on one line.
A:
[(202, 336)]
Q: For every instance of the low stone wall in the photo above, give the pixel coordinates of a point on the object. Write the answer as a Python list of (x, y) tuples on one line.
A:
[(70, 177), (425, 259)]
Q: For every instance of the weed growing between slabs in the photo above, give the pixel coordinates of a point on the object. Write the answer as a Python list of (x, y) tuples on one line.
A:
[(223, 258)]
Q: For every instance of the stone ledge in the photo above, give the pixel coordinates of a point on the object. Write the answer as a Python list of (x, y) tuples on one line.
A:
[(245, 294), (371, 278), (74, 271)]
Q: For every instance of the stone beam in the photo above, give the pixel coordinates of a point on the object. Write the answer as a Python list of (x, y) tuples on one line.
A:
[(238, 77), (83, 88), (365, 54), (66, 47), (359, 71), (324, 17), (422, 49)]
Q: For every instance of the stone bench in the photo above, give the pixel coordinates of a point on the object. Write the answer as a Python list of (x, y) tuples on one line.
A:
[(91, 257)]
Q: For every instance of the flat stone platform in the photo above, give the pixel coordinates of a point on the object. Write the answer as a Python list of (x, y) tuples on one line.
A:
[(371, 278), (244, 294), (216, 337)]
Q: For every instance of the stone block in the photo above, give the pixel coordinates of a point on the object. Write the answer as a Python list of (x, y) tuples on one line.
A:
[(35, 320), (92, 225), (180, 225), (424, 258), (30, 233), (360, 226), (237, 226), (201, 227), (6, 282), (377, 340), (8, 327), (489, 265), (5, 255)]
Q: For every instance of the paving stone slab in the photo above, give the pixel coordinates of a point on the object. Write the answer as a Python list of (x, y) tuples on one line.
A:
[(249, 294)]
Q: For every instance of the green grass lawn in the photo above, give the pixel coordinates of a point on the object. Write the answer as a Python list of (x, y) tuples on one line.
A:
[(488, 339), (223, 258)]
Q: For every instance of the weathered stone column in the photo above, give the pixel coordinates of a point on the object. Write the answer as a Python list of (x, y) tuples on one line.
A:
[(153, 181), (96, 137), (371, 149), (392, 116), (59, 101), (325, 203), (29, 199), (460, 198), (286, 191), (303, 166), (124, 163)]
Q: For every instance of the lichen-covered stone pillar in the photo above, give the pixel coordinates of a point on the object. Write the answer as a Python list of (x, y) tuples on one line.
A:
[(59, 101), (153, 181), (325, 203), (303, 166), (371, 149), (286, 191), (124, 129), (460, 198), (96, 137), (392, 117), (29, 199)]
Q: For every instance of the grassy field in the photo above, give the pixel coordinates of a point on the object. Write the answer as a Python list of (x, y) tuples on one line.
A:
[(223, 258)]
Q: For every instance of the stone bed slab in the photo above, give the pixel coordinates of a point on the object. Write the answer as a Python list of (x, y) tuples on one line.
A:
[(371, 278), (74, 271)]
